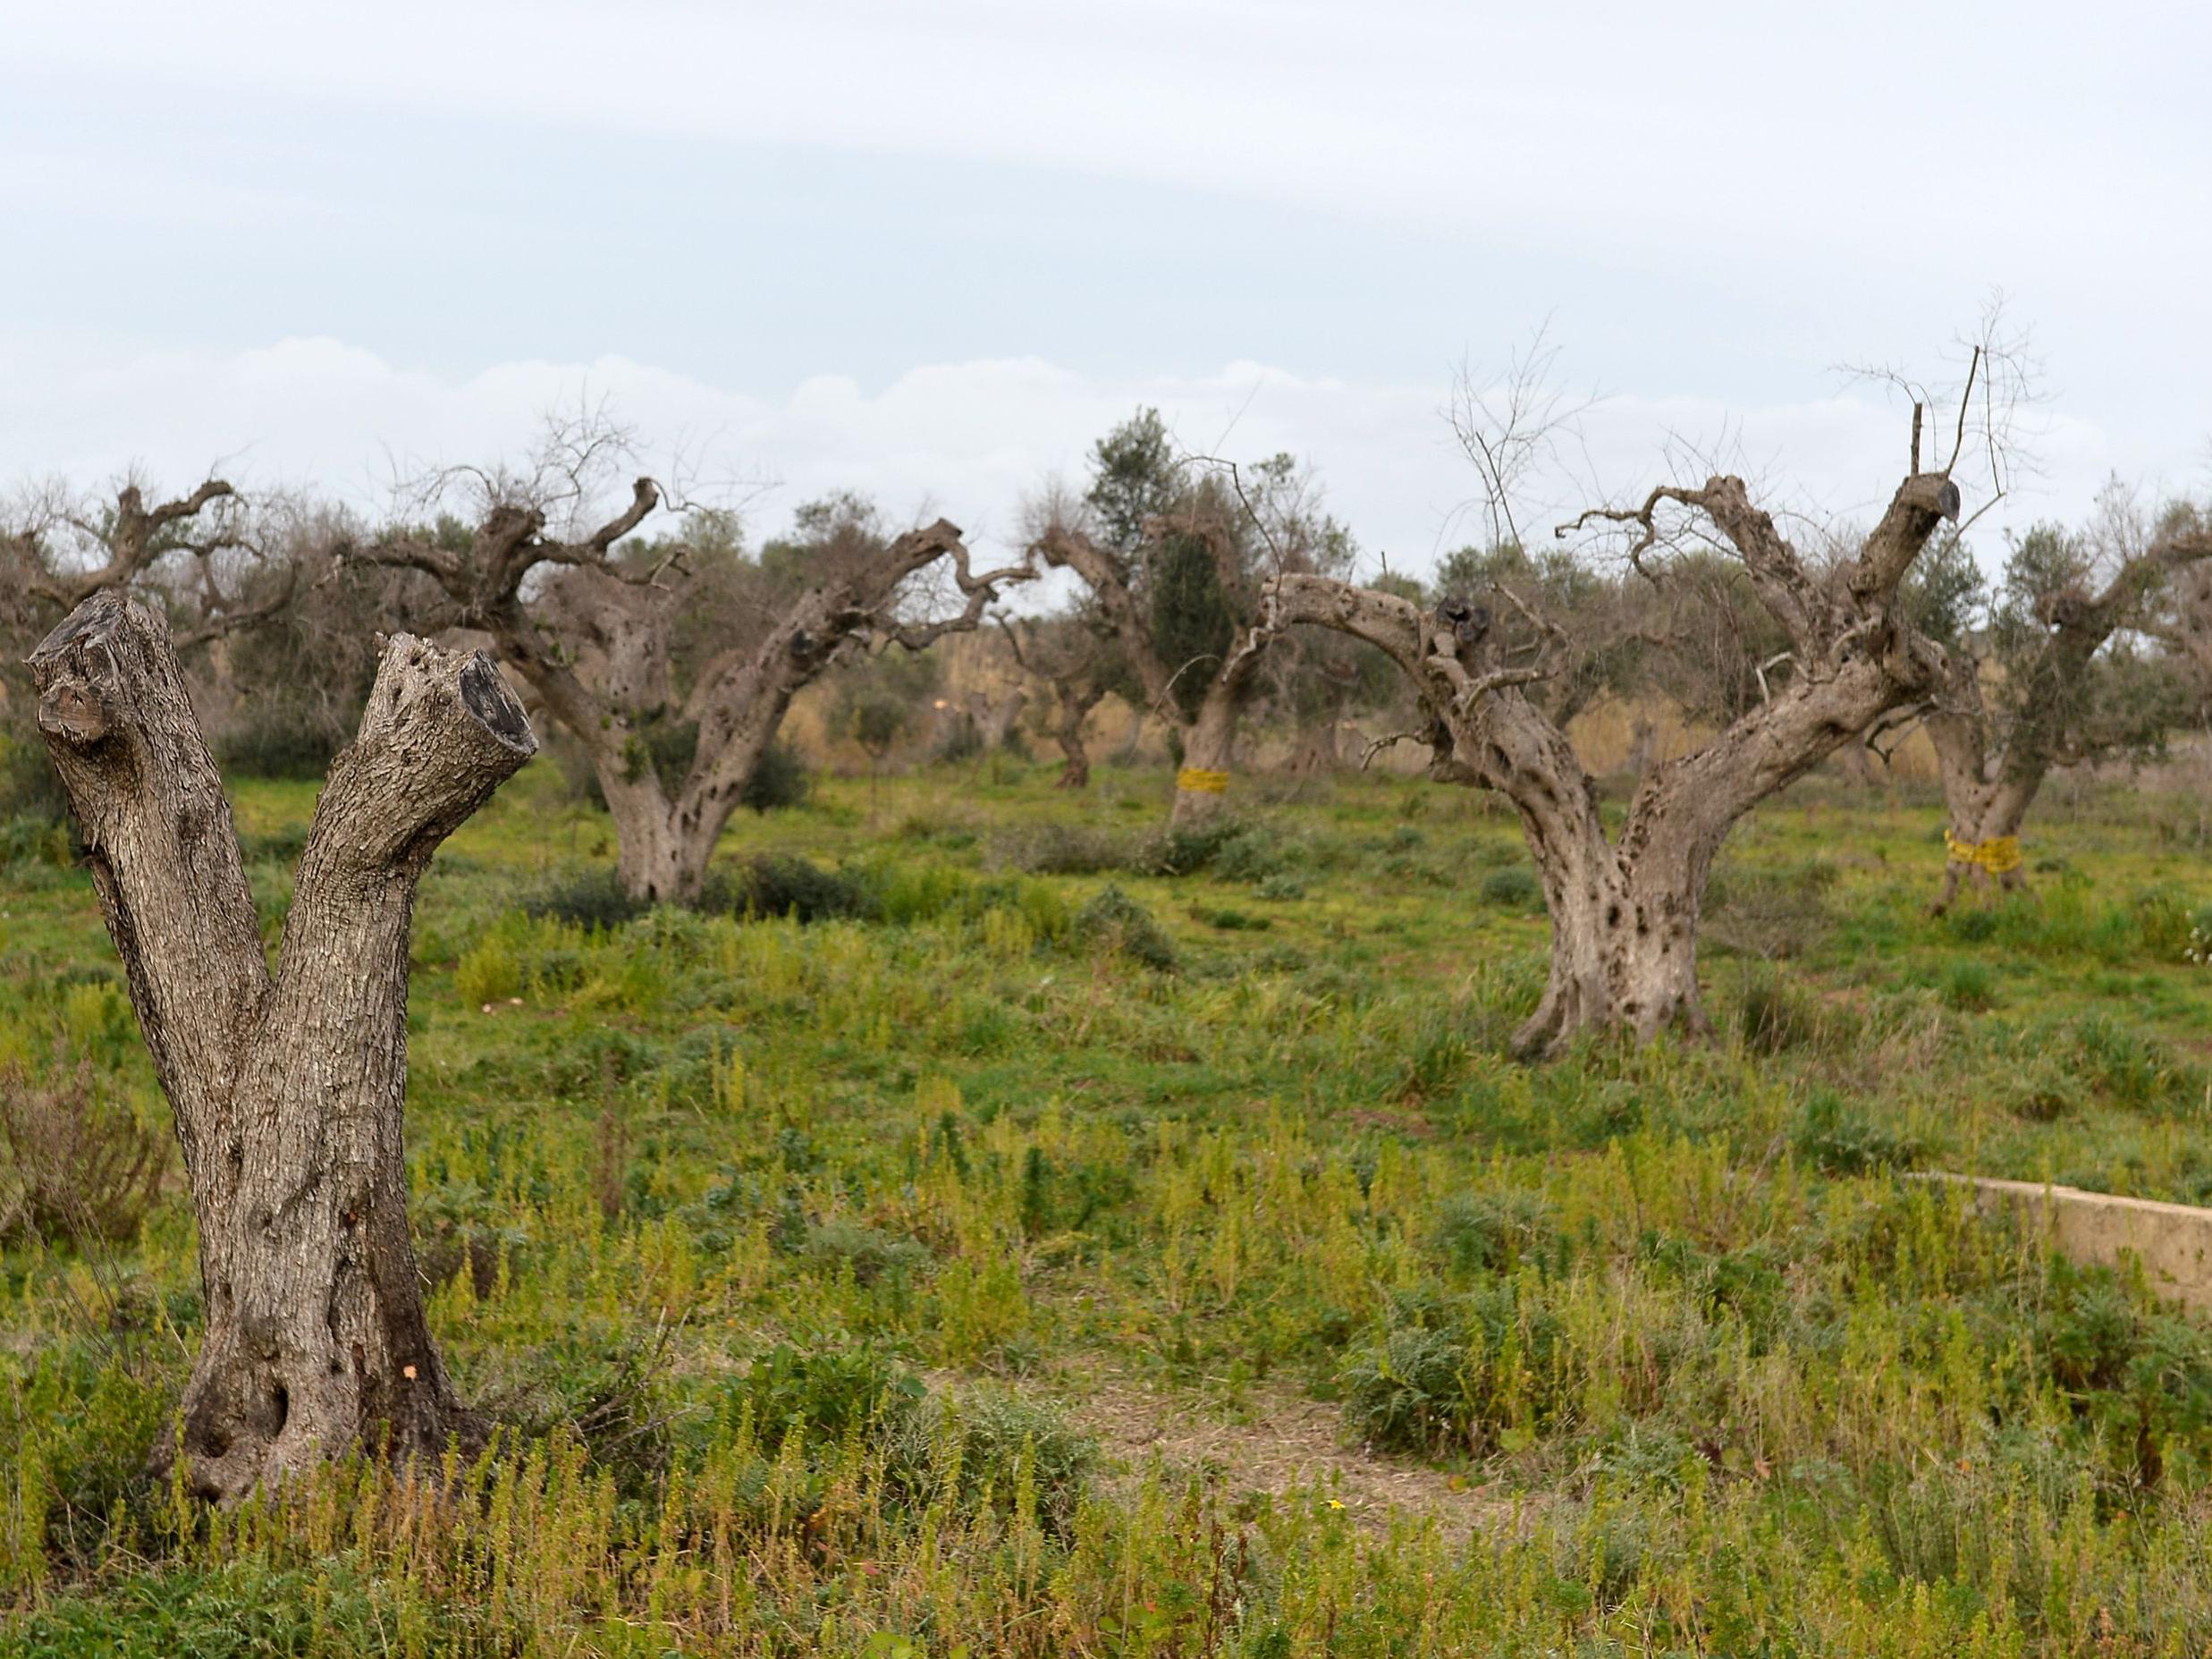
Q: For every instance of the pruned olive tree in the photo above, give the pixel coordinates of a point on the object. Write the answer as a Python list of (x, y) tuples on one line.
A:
[(673, 663), (287, 1088), (2057, 677), (1625, 907), (59, 547), (1076, 663), (1172, 554)]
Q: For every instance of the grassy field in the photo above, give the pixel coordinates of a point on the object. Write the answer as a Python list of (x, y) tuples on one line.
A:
[(1009, 1230)]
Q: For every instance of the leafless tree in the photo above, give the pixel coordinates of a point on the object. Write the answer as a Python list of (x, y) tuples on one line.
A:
[(1078, 667), (1172, 551), (1625, 909), (2041, 686), (671, 663), (287, 1089), (60, 547)]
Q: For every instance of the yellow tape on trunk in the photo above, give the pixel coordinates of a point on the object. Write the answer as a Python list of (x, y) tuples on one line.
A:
[(1201, 782), (1999, 855)]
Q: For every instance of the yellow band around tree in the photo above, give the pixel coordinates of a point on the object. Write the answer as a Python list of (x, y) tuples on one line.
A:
[(1999, 855), (1201, 782)]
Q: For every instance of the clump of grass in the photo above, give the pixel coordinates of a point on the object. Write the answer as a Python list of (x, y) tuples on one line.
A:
[(1514, 888), (1839, 1138), (1115, 923), (799, 889), (79, 1167), (1773, 1015), (588, 898), (1492, 1232), (1059, 848), (2042, 1091), (1969, 987), (1769, 914)]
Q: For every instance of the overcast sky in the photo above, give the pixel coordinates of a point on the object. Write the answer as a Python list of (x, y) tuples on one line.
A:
[(932, 250)]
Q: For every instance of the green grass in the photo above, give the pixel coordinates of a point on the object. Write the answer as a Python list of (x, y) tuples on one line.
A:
[(786, 1247)]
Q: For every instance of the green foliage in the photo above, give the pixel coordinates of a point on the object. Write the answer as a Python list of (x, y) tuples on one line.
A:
[(1944, 593), (588, 897), (660, 745), (30, 789), (1514, 888), (1134, 476), (799, 889), (912, 1201), (1192, 622), (779, 781), (1115, 923)]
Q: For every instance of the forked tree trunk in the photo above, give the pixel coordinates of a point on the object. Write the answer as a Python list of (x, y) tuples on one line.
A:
[(1201, 782), (287, 1092), (1624, 910), (664, 843), (1072, 713), (1982, 817)]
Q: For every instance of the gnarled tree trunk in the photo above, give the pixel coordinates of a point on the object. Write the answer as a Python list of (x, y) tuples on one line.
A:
[(1071, 713), (1624, 910), (1209, 746), (1982, 816), (287, 1091)]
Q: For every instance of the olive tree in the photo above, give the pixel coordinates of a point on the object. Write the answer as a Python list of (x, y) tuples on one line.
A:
[(2057, 677), (287, 1087), (1076, 660), (1172, 553), (672, 661)]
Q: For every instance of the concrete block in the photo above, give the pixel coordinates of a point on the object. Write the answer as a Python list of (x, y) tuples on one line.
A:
[(2174, 1241)]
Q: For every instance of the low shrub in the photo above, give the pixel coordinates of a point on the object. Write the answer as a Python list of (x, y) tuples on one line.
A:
[(1773, 1015), (79, 1166), (780, 781), (794, 887), (1491, 1232), (1115, 923), (588, 898), (1835, 1138), (1971, 987), (1060, 850), (1514, 888)]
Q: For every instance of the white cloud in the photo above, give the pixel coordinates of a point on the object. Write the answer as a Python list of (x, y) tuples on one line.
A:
[(969, 439)]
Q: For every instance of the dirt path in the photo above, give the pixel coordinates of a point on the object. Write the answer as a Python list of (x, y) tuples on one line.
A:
[(1287, 1439)]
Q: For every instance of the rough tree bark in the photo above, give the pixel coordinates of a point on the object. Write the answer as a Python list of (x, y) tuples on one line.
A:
[(1624, 910), (1078, 668), (1071, 712), (287, 1090), (1208, 728), (1991, 774), (619, 621)]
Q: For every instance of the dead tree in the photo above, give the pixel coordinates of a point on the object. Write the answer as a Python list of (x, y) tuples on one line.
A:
[(1079, 666), (287, 1090), (1625, 910), (599, 631), (63, 549), (2039, 687), (1172, 551), (1203, 696)]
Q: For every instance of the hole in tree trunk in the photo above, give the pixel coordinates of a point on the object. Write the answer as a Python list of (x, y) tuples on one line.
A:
[(281, 1400)]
